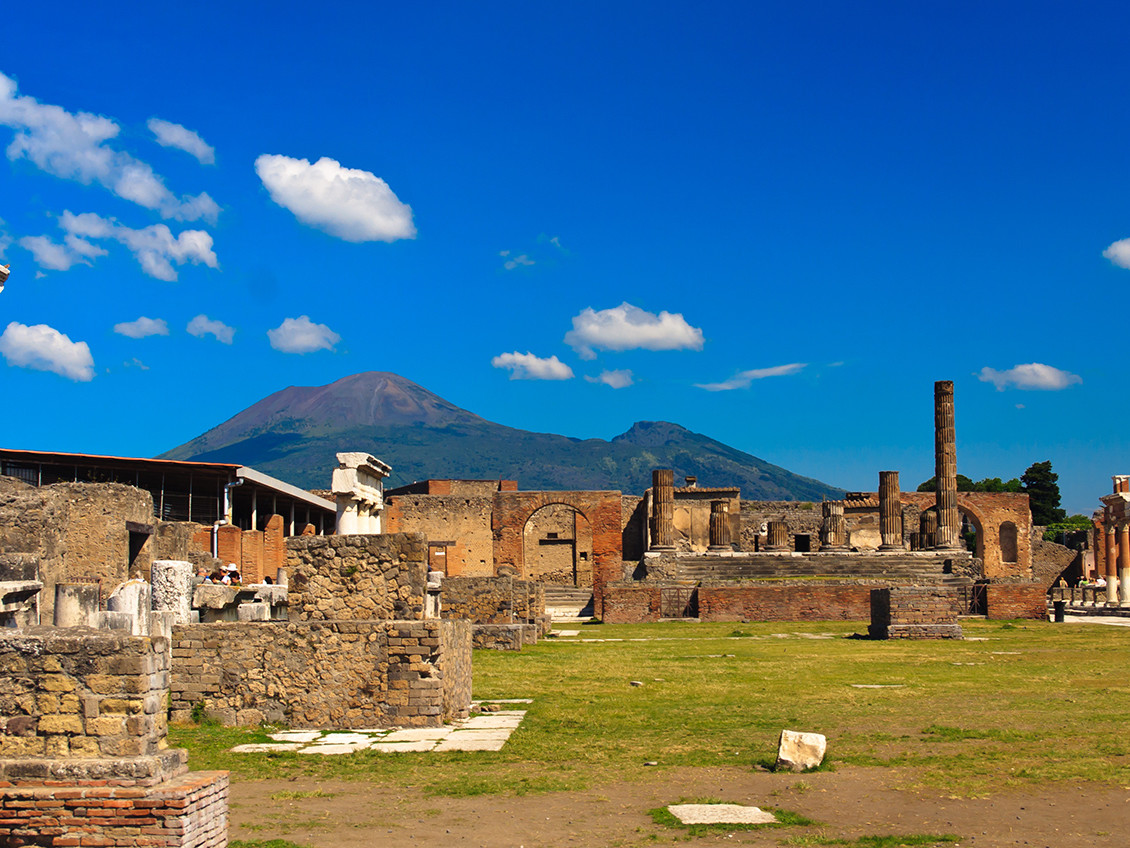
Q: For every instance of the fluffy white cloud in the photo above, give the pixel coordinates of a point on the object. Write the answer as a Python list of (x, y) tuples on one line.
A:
[(626, 327), (44, 348), (348, 203), (526, 366), (61, 257), (169, 134), (1119, 253), (512, 262), (301, 335), (142, 327), (1031, 377), (155, 247), (616, 379), (73, 146), (202, 325), (743, 379)]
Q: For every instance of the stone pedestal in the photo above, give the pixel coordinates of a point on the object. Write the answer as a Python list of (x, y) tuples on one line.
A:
[(720, 526), (890, 512), (172, 588), (75, 604), (136, 598), (662, 509), (778, 539), (945, 467)]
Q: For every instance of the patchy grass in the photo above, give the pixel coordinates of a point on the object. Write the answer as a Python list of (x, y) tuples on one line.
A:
[(264, 843), (971, 717), (897, 841)]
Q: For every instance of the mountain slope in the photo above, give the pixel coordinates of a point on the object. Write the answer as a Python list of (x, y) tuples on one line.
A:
[(293, 434)]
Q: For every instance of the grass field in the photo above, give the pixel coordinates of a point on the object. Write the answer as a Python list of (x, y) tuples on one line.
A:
[(1014, 704)]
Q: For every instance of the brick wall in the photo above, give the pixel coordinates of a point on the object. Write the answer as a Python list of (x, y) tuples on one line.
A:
[(357, 577), (627, 603), (914, 612), (1016, 600), (346, 674), (800, 602), (990, 512), (461, 519)]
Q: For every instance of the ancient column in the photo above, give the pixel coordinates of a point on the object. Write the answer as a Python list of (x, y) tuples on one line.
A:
[(1124, 563), (834, 531), (720, 525), (662, 509), (928, 526), (945, 468), (1111, 564), (778, 536), (890, 512)]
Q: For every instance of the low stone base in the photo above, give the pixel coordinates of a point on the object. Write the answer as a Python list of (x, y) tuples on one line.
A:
[(500, 637), (918, 631), (189, 811)]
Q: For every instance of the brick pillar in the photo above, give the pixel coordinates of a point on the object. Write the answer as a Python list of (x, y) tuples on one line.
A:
[(945, 468), (229, 544), (1124, 563), (778, 536), (719, 525), (1111, 565), (890, 511), (662, 509)]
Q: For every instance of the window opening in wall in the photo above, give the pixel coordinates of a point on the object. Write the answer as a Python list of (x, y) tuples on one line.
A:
[(803, 543)]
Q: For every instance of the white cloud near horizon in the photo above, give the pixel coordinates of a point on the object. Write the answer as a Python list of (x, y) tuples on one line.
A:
[(619, 379), (55, 256), (202, 325), (627, 327), (301, 335), (142, 327), (1119, 253), (155, 246), (349, 203), (527, 366), (1034, 376), (73, 146), (169, 134), (44, 348), (744, 379)]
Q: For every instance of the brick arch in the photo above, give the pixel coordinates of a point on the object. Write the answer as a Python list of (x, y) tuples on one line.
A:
[(512, 510), (989, 511)]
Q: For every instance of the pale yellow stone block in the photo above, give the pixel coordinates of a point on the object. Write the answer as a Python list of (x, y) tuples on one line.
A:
[(60, 724)]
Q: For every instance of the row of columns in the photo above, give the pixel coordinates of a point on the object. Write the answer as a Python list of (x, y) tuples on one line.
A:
[(663, 515), (1117, 562)]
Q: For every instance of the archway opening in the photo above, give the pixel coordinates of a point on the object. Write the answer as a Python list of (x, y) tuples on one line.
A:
[(557, 546)]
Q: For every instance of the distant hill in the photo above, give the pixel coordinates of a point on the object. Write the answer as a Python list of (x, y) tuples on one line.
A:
[(295, 433)]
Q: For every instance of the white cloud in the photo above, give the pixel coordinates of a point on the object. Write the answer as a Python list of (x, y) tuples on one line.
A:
[(202, 325), (174, 135), (73, 146), (616, 379), (61, 257), (348, 203), (1119, 253), (512, 262), (142, 327), (44, 348), (301, 335), (626, 327), (743, 379), (155, 247), (1031, 377), (526, 366)]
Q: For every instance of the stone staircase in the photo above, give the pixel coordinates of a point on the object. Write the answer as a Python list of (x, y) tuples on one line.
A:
[(761, 566), (565, 603)]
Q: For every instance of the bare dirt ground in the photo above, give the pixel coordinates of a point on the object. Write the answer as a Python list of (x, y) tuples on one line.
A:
[(849, 802)]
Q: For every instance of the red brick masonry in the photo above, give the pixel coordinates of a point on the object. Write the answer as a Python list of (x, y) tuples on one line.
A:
[(188, 811), (1016, 600)]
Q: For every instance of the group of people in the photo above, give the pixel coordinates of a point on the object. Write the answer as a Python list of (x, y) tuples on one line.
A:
[(227, 575), (1099, 583)]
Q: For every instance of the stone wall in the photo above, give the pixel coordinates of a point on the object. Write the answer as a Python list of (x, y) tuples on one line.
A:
[(481, 600), (364, 578), (690, 516), (633, 520), (995, 515), (459, 524), (1016, 600), (343, 674), (1049, 559), (914, 612), (801, 516), (78, 531)]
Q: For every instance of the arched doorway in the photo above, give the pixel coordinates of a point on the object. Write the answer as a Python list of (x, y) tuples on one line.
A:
[(557, 546)]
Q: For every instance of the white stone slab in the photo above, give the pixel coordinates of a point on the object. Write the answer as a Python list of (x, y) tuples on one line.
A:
[(490, 722), (341, 738), (333, 749), (416, 734), (503, 701), (296, 735), (461, 741), (878, 685), (567, 632), (720, 814), (266, 747), (397, 747)]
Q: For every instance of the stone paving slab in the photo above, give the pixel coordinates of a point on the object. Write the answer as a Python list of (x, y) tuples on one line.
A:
[(463, 740), (332, 749), (419, 745), (720, 814), (266, 747), (296, 735), (417, 734)]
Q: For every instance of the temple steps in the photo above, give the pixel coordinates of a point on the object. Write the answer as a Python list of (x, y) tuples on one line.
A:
[(566, 603)]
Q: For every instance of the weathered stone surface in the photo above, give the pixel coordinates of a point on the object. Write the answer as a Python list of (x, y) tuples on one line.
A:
[(172, 588), (800, 751), (720, 814), (136, 598)]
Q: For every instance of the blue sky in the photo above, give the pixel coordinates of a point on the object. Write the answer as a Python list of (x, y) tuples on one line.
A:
[(773, 223)]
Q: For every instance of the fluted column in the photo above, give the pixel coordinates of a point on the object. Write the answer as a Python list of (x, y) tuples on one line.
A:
[(719, 525), (928, 526), (945, 467), (890, 512), (1124, 563), (662, 509), (1111, 564), (778, 536), (834, 531)]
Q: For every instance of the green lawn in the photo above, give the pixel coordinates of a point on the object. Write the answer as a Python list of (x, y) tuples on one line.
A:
[(1015, 703)]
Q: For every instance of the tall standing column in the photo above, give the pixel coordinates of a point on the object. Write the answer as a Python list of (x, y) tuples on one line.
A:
[(662, 509), (1124, 563), (719, 525), (1111, 564), (945, 467), (890, 512), (835, 527)]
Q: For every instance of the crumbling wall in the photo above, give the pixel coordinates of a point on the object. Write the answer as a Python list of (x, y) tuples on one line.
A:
[(357, 577), (482, 600), (1049, 559), (802, 518), (633, 520), (344, 674), (461, 519)]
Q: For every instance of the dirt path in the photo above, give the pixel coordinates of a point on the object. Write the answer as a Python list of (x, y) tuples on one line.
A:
[(849, 802)]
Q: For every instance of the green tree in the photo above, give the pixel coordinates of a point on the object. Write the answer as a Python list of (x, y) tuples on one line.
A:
[(1042, 487), (964, 484)]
